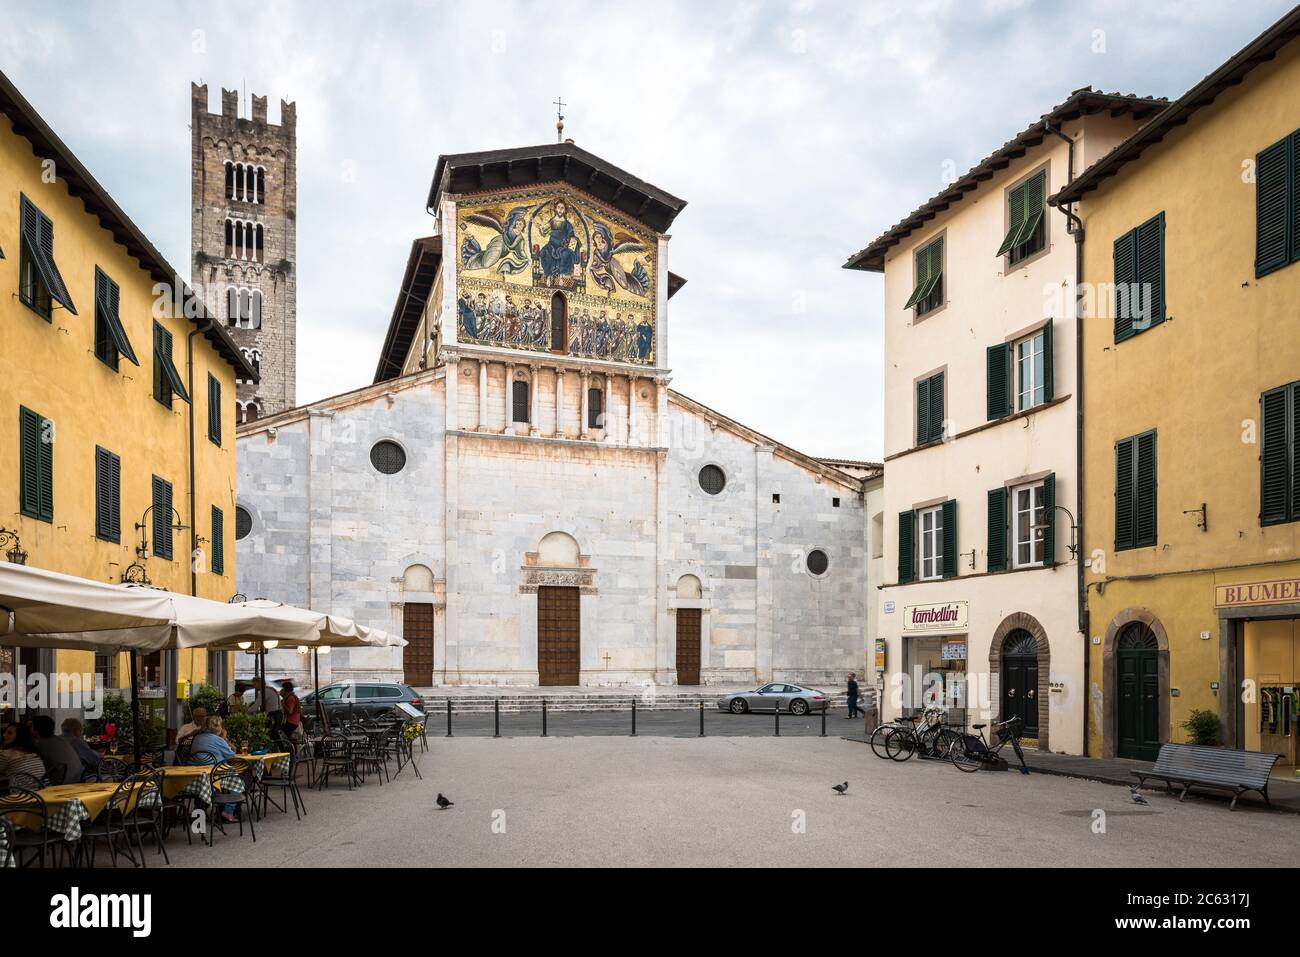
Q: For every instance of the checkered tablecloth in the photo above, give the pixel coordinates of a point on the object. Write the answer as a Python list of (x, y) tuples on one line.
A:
[(6, 855), (67, 820)]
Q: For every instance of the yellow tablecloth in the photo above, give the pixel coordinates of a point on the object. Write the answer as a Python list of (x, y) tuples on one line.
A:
[(264, 758), (93, 798), (177, 778)]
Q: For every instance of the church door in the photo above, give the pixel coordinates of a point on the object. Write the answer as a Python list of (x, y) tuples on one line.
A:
[(688, 646), (558, 636), (417, 656)]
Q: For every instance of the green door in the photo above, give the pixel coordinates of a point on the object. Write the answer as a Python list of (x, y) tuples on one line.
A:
[(1138, 679)]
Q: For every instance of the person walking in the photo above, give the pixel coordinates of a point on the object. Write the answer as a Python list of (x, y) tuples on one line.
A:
[(854, 710)]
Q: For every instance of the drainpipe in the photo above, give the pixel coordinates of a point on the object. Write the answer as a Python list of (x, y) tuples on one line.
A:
[(1075, 227), (189, 376)]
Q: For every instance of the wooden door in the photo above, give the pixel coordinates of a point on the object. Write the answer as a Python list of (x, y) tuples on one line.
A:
[(688, 646), (1020, 693), (558, 636), (417, 656), (1138, 680)]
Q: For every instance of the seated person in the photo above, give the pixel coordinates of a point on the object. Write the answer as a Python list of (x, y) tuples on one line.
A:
[(61, 760), (18, 753), (211, 741), (73, 731), (194, 725)]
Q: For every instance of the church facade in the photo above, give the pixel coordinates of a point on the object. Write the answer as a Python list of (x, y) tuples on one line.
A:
[(521, 494)]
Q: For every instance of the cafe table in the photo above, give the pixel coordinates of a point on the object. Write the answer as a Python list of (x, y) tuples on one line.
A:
[(69, 806)]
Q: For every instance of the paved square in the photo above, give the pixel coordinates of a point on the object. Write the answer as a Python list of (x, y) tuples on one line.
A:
[(734, 801)]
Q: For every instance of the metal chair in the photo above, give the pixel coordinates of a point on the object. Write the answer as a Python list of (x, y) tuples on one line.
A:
[(21, 780), (336, 755), (112, 824), (26, 802), (286, 784), (7, 842), (225, 791), (111, 769), (149, 812)]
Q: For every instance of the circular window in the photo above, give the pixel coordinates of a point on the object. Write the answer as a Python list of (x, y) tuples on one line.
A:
[(817, 562), (243, 523), (388, 457), (712, 479)]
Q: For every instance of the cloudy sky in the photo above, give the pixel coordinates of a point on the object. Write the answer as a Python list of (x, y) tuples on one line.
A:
[(797, 131)]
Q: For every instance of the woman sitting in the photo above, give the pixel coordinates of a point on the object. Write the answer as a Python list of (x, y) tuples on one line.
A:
[(18, 753), (209, 746)]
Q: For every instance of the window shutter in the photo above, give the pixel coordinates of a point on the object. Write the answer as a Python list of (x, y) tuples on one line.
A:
[(1049, 520), (921, 262), (29, 467), (1293, 441), (1271, 202), (998, 364), (1295, 195), (906, 547), (1125, 277), (997, 529), (218, 542), (950, 539), (1276, 459), (1124, 494), (936, 407), (923, 412), (1151, 270), (47, 471), (108, 485), (162, 518), (214, 409), (1035, 191), (1015, 219), (1048, 378), (1145, 476)]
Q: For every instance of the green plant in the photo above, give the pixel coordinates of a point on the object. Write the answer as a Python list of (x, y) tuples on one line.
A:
[(248, 732), (204, 696), (1202, 727), (117, 711)]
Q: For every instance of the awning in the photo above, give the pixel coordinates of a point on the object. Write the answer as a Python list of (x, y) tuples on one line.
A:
[(333, 631)]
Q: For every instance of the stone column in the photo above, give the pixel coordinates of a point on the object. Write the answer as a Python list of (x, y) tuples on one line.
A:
[(509, 400), (482, 395), (607, 409), (451, 381), (584, 383), (559, 403), (532, 399), (631, 410)]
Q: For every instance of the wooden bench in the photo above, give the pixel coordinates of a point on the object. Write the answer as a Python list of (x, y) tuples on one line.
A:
[(1220, 768)]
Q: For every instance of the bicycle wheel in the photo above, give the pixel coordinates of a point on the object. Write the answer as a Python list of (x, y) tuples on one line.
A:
[(943, 742), (878, 738), (900, 745), (961, 758)]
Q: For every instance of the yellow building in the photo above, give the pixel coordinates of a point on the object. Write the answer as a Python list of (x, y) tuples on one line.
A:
[(117, 398), (1191, 403)]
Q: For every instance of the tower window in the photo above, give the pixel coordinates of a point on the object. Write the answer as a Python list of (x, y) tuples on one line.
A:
[(595, 408), (245, 183), (520, 401), (559, 323)]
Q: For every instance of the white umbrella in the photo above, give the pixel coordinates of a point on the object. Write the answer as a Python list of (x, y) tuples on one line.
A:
[(42, 602)]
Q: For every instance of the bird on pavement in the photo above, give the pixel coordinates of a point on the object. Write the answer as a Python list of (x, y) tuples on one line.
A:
[(443, 803), (1137, 798), (840, 789)]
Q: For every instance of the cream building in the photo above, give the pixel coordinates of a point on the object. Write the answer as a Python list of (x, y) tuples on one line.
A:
[(979, 609)]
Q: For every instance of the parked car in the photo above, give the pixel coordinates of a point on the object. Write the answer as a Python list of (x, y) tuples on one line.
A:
[(361, 699), (777, 696)]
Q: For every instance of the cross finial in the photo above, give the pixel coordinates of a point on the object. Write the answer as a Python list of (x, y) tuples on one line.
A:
[(559, 119)]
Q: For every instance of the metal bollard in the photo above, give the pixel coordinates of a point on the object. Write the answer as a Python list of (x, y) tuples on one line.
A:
[(823, 721), (777, 711), (634, 717), (544, 717), (701, 719), (496, 718), (449, 717)]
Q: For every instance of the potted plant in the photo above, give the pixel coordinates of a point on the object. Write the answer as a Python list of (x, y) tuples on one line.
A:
[(1202, 727), (248, 733)]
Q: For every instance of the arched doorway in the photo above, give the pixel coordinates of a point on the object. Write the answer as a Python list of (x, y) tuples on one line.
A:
[(688, 632), (559, 623), (417, 627), (1020, 680), (1137, 677)]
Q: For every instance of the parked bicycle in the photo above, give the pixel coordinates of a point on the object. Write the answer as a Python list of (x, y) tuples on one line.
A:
[(933, 738), (970, 752)]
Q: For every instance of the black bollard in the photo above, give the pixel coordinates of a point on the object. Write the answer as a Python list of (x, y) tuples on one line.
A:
[(823, 721), (777, 712), (543, 717), (701, 719), (496, 718), (634, 717), (449, 717)]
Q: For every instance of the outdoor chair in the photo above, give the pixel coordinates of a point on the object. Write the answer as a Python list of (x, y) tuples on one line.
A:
[(23, 781), (111, 826), (27, 802), (368, 757), (111, 769), (148, 814), (336, 757), (233, 782), (285, 784), (7, 841)]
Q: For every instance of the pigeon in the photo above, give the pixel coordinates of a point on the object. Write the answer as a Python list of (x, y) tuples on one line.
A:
[(1137, 798), (443, 803), (840, 789)]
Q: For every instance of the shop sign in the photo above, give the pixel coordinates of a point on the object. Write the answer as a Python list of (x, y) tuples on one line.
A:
[(945, 616), (1282, 591)]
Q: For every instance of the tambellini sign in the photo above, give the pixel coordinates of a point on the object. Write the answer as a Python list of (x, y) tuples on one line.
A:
[(948, 616)]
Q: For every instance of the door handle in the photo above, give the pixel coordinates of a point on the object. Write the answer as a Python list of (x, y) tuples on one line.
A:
[(1029, 694), (1011, 692)]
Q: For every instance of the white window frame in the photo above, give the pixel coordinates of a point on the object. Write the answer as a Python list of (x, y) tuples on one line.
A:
[(1030, 537), (930, 542), (1030, 369)]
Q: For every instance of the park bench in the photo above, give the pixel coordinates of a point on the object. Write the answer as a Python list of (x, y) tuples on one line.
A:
[(1221, 768)]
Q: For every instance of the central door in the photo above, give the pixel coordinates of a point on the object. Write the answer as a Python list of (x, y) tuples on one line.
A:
[(688, 646), (1020, 681), (417, 656), (558, 636), (1138, 676)]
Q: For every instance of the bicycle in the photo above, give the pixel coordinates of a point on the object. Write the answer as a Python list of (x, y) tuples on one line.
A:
[(934, 739), (971, 752)]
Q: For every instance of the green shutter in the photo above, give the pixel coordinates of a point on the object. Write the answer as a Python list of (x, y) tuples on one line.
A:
[(1035, 190), (921, 269), (214, 409), (162, 518), (1273, 199), (999, 380), (1276, 459), (1015, 219), (107, 302), (950, 539), (1125, 277), (906, 547), (218, 542), (1049, 520), (1295, 196), (936, 407), (29, 462), (997, 529), (1049, 383), (1151, 271), (1293, 440), (1124, 494), (166, 380), (37, 238), (108, 491), (1145, 481), (923, 412)]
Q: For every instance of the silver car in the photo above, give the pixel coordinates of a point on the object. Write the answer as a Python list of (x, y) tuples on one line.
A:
[(777, 696)]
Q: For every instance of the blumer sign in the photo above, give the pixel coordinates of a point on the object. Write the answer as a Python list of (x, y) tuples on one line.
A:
[(946, 617), (1282, 591)]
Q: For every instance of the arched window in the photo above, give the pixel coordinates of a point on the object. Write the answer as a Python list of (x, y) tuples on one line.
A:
[(257, 243), (230, 239), (230, 180), (232, 306), (559, 323), (521, 406), (255, 315), (260, 193), (595, 408)]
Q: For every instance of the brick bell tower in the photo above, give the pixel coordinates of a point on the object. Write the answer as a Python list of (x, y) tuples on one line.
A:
[(244, 239)]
